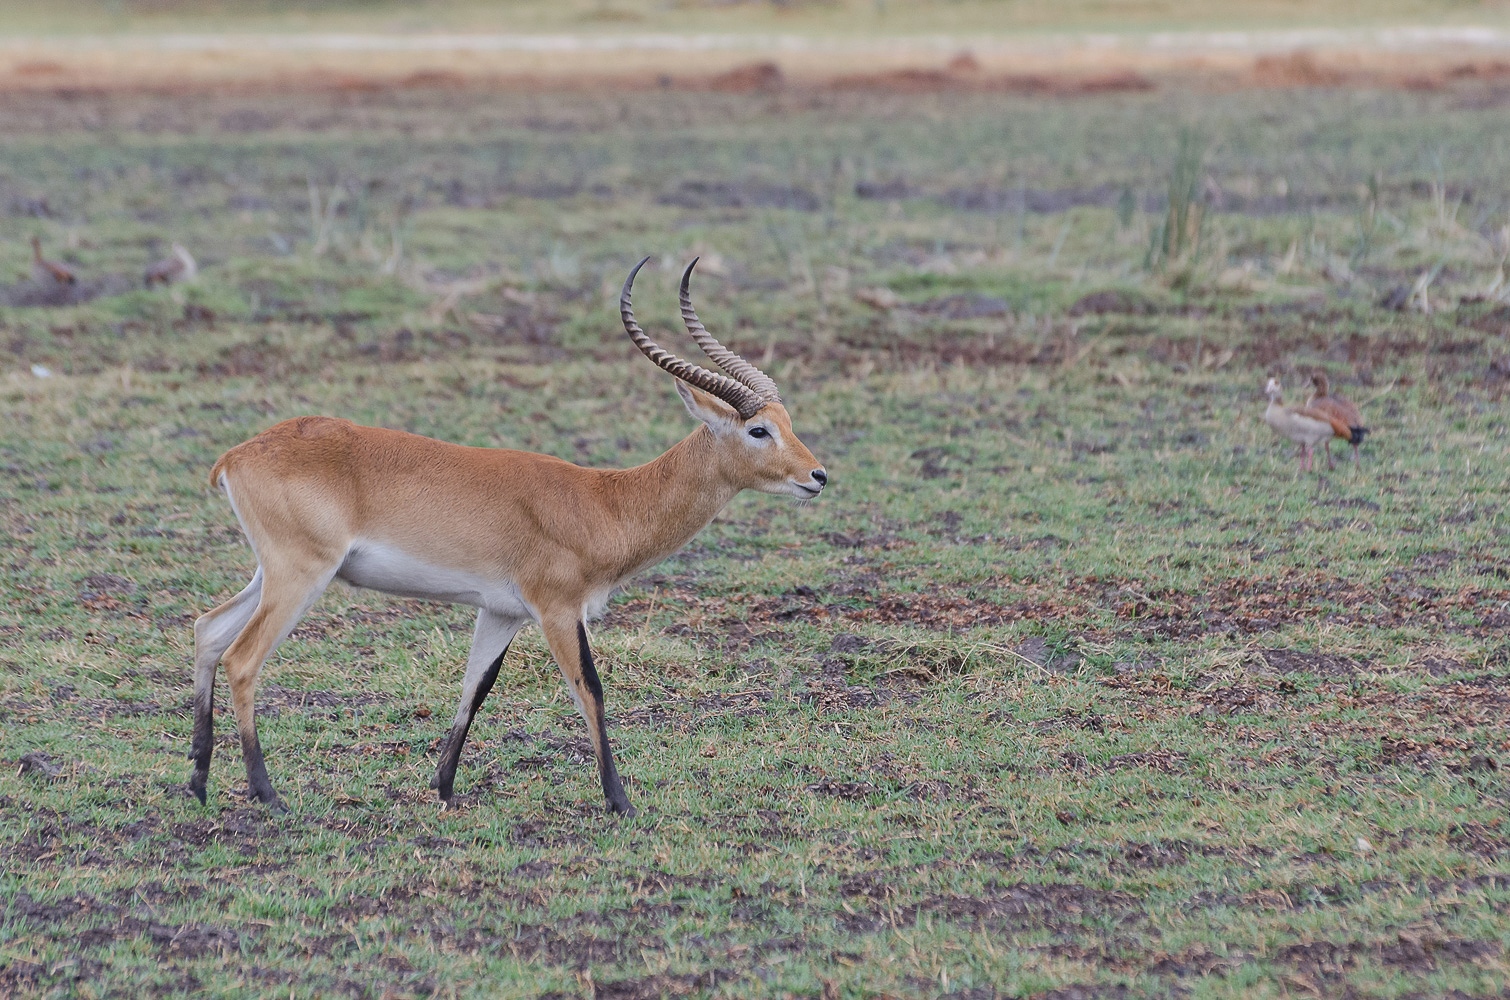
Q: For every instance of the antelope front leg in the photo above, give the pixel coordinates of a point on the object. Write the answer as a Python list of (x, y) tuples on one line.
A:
[(568, 643), (490, 641)]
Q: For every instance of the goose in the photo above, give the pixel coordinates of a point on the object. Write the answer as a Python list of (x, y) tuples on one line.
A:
[(49, 272), (1305, 426), (172, 270), (1337, 409)]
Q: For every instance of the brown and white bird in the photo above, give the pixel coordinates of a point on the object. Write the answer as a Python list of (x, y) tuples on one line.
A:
[(49, 272), (1305, 426), (1337, 409), (172, 270)]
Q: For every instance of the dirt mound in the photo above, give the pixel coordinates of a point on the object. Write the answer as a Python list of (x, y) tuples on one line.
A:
[(964, 73), (1300, 68), (747, 79)]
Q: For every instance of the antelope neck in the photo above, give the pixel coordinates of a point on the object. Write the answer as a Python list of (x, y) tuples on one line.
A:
[(670, 499)]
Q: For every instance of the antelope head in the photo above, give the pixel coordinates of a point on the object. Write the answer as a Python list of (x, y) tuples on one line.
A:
[(741, 408)]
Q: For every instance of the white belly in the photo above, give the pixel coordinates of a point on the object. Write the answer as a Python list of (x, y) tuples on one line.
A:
[(1300, 429), (378, 566)]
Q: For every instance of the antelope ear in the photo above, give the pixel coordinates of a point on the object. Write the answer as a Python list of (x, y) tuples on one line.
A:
[(707, 407)]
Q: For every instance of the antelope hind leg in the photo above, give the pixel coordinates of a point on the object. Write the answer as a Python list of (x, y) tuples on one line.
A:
[(214, 631), (286, 596)]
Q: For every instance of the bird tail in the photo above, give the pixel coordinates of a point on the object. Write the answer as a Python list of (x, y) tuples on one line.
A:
[(1358, 433)]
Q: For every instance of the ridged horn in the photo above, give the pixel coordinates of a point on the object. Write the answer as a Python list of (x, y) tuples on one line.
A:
[(745, 400), (737, 367)]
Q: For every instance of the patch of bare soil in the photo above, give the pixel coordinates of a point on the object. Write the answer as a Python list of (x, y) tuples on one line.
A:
[(1237, 606), (661, 985), (273, 699), (1114, 301), (1268, 341), (1276, 332), (1162, 761), (1485, 840), (1290, 661), (964, 74), (852, 791), (1038, 201), (581, 941), (1062, 908), (1196, 961), (54, 838), (558, 945), (758, 76), (248, 830), (1257, 604), (1318, 966), (18, 974), (1294, 69), (947, 346), (964, 306), (1076, 991), (692, 714), (1086, 991), (704, 194), (55, 294), (108, 923)]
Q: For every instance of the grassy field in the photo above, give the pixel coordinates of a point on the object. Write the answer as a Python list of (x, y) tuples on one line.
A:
[(847, 17), (1070, 686)]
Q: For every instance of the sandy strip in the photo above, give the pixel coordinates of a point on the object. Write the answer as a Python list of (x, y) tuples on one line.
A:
[(187, 60)]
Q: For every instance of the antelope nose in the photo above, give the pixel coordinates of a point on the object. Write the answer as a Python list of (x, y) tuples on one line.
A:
[(821, 477)]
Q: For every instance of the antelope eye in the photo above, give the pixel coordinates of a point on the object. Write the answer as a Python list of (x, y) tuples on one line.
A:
[(759, 432)]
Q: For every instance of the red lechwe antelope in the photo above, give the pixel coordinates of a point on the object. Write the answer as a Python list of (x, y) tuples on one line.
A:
[(521, 537)]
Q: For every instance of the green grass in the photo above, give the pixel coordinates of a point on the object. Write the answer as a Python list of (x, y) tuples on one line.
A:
[(798, 17), (1071, 682)]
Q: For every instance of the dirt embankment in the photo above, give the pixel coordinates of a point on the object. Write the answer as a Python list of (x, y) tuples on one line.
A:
[(1063, 64)]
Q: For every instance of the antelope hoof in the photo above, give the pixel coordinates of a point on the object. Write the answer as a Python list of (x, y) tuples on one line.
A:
[(197, 783), (268, 798), (623, 809)]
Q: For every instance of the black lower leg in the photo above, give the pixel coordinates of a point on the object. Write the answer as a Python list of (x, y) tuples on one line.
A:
[(202, 747), (613, 788), (450, 756), (256, 771)]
